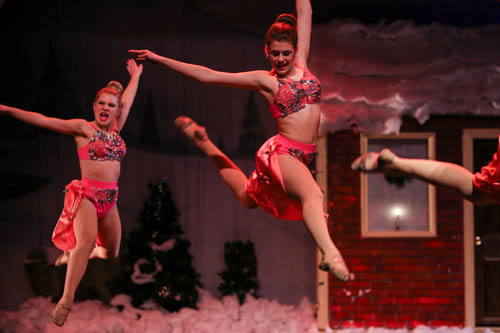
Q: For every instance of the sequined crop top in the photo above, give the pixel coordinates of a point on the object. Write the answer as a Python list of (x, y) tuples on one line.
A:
[(103, 147), (294, 95)]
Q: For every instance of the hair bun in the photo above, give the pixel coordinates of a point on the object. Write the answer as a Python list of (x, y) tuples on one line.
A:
[(287, 18), (116, 86)]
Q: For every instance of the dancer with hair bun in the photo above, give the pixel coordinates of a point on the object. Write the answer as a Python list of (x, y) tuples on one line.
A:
[(281, 184), (89, 225)]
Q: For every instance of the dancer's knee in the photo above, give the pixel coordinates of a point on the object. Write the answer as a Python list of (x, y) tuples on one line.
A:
[(110, 253), (313, 196), (246, 201), (85, 245)]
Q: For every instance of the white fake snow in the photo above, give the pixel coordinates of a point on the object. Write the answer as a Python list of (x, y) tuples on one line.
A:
[(213, 315)]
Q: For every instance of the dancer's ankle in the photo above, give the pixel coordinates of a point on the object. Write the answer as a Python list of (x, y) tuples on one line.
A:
[(386, 156), (191, 129), (66, 300), (336, 266)]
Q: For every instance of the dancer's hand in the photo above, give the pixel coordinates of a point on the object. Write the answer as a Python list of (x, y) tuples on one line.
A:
[(144, 55), (133, 68)]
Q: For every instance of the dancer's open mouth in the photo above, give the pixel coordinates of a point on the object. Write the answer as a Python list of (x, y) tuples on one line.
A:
[(103, 116)]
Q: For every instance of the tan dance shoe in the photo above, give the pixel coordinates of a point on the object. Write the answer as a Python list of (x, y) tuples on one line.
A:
[(190, 128), (371, 162), (335, 265), (60, 314)]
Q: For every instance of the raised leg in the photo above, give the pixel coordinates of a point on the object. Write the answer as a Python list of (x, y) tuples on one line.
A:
[(443, 174), (234, 178), (300, 185)]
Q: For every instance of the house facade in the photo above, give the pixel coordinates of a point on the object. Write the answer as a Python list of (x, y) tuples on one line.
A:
[(450, 278)]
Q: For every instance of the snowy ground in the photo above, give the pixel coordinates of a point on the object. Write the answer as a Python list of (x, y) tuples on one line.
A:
[(213, 315)]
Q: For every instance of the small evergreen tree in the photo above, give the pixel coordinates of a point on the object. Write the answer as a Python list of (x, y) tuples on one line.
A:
[(157, 264), (240, 275)]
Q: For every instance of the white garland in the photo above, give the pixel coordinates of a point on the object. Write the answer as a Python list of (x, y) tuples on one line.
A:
[(142, 278), (164, 247)]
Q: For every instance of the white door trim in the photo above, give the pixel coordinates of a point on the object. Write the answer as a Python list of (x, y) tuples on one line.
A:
[(468, 137)]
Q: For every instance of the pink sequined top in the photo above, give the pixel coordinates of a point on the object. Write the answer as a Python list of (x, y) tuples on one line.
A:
[(294, 95), (103, 147)]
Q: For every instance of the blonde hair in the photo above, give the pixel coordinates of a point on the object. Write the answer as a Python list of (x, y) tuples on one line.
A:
[(113, 88)]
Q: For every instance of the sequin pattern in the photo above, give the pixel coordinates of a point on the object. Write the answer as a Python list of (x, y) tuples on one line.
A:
[(105, 147), (263, 178), (301, 156), (104, 195), (294, 95)]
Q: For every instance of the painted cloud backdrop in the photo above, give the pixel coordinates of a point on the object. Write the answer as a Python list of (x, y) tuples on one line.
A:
[(373, 75)]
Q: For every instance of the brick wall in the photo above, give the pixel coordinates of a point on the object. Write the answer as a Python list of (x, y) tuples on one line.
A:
[(398, 282)]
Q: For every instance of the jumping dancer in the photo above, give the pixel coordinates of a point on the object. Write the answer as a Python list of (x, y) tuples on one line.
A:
[(89, 225), (482, 188), (281, 184)]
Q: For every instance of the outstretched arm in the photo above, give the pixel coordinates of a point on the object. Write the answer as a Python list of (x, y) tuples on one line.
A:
[(255, 80), (128, 95), (73, 127), (304, 22)]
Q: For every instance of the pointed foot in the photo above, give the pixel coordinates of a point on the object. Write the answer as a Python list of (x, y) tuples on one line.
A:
[(190, 128), (335, 265), (60, 314), (372, 162)]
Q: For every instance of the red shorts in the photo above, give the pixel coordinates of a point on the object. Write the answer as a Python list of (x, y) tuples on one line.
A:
[(103, 196), (265, 185)]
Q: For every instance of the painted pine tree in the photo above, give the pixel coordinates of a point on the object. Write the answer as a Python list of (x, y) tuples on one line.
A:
[(240, 276), (157, 262)]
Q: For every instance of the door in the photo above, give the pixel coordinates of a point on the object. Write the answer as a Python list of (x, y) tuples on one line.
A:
[(487, 246)]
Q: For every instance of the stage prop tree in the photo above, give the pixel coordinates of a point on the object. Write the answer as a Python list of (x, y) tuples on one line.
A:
[(156, 259), (240, 275)]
